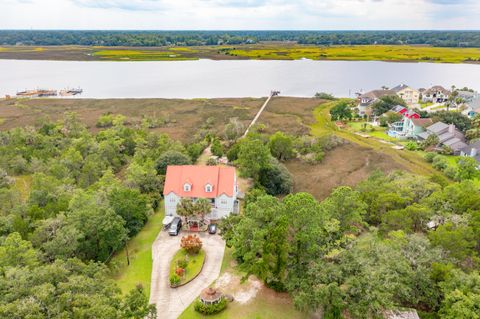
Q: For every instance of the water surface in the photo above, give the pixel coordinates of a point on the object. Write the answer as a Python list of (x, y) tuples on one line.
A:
[(244, 78)]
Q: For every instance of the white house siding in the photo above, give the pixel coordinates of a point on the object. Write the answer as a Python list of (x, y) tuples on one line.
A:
[(224, 206), (171, 201)]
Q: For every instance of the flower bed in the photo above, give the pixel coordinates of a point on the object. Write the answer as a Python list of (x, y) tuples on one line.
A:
[(185, 267)]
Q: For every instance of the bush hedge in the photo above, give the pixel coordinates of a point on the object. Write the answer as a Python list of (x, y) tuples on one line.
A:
[(212, 308)]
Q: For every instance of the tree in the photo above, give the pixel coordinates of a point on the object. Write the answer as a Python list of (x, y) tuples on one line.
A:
[(386, 103), (5, 180), (461, 121), (467, 168), (217, 148), (413, 218), (275, 178), (144, 177), (102, 230), (233, 130), (171, 158), (341, 111), (345, 205), (131, 206), (253, 155), (281, 146), (136, 305), (16, 252), (392, 117)]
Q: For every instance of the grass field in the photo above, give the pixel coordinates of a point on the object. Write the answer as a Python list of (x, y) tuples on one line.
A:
[(23, 184), (195, 264), (260, 51), (140, 251), (182, 118)]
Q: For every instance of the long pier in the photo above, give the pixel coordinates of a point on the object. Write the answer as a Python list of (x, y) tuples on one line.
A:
[(272, 94)]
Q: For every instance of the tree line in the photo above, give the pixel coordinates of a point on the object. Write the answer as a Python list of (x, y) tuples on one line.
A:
[(198, 38)]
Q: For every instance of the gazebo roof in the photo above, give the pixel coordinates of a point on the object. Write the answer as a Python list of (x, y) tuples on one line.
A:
[(210, 295)]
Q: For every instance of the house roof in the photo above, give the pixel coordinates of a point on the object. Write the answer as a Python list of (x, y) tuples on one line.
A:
[(424, 135), (468, 149), (412, 115), (438, 127), (399, 109), (376, 94), (401, 87), (222, 178), (437, 88), (422, 122)]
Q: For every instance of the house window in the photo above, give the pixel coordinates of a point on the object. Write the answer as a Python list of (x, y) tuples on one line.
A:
[(187, 187), (172, 200), (208, 188), (223, 202)]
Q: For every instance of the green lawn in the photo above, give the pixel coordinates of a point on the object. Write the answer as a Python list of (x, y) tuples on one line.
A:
[(140, 252), (195, 264)]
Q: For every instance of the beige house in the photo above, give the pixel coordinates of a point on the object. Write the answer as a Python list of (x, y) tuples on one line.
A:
[(410, 95)]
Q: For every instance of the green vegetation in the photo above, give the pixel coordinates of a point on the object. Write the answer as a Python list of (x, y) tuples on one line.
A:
[(190, 263), (140, 256), (334, 255), (69, 201)]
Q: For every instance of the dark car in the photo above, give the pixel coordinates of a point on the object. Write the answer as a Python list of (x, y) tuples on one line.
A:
[(212, 229), (175, 226)]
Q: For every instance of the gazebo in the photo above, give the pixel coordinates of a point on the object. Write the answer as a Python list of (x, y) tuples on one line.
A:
[(210, 296)]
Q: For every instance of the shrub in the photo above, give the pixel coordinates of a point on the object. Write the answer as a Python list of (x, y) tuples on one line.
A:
[(430, 156), (439, 163), (446, 150), (182, 263), (174, 280), (324, 96), (450, 172), (191, 243), (179, 271), (411, 146), (211, 162), (210, 309)]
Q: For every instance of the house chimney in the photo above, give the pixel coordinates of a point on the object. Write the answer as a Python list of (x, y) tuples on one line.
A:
[(473, 152), (451, 128)]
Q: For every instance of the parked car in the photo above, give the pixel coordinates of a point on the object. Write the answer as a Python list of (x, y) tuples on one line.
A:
[(175, 226), (212, 229)]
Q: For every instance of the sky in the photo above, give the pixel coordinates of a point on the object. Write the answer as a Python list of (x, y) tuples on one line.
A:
[(241, 14)]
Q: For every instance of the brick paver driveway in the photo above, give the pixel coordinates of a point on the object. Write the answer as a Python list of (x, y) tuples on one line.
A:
[(171, 302)]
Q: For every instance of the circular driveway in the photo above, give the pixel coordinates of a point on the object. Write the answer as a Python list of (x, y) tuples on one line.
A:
[(171, 302)]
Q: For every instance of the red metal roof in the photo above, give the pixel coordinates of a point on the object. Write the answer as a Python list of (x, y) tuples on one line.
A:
[(221, 178)]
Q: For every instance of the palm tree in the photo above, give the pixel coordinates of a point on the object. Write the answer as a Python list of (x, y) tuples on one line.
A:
[(186, 208), (202, 207)]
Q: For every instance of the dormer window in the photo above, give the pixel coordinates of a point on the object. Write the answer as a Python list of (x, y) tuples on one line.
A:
[(187, 187), (208, 188)]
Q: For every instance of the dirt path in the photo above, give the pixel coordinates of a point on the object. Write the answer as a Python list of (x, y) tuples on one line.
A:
[(171, 302)]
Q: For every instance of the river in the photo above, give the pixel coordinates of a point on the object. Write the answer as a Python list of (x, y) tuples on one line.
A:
[(240, 78)]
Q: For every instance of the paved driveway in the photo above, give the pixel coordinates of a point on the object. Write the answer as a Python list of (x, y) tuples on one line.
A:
[(171, 302)]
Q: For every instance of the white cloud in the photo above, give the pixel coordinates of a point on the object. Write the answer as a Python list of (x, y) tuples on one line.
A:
[(239, 14)]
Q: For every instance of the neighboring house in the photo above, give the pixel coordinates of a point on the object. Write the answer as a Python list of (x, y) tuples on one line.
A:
[(448, 135), (435, 94), (408, 94), (218, 184), (472, 107), (472, 150), (367, 99), (410, 126)]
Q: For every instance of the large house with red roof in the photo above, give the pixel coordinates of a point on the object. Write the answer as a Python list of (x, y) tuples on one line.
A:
[(218, 184)]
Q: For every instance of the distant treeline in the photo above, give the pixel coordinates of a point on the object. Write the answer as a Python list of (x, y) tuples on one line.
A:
[(195, 38)]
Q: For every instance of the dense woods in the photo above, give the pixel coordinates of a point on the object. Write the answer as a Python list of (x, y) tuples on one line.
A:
[(394, 241), (84, 196), (196, 38)]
